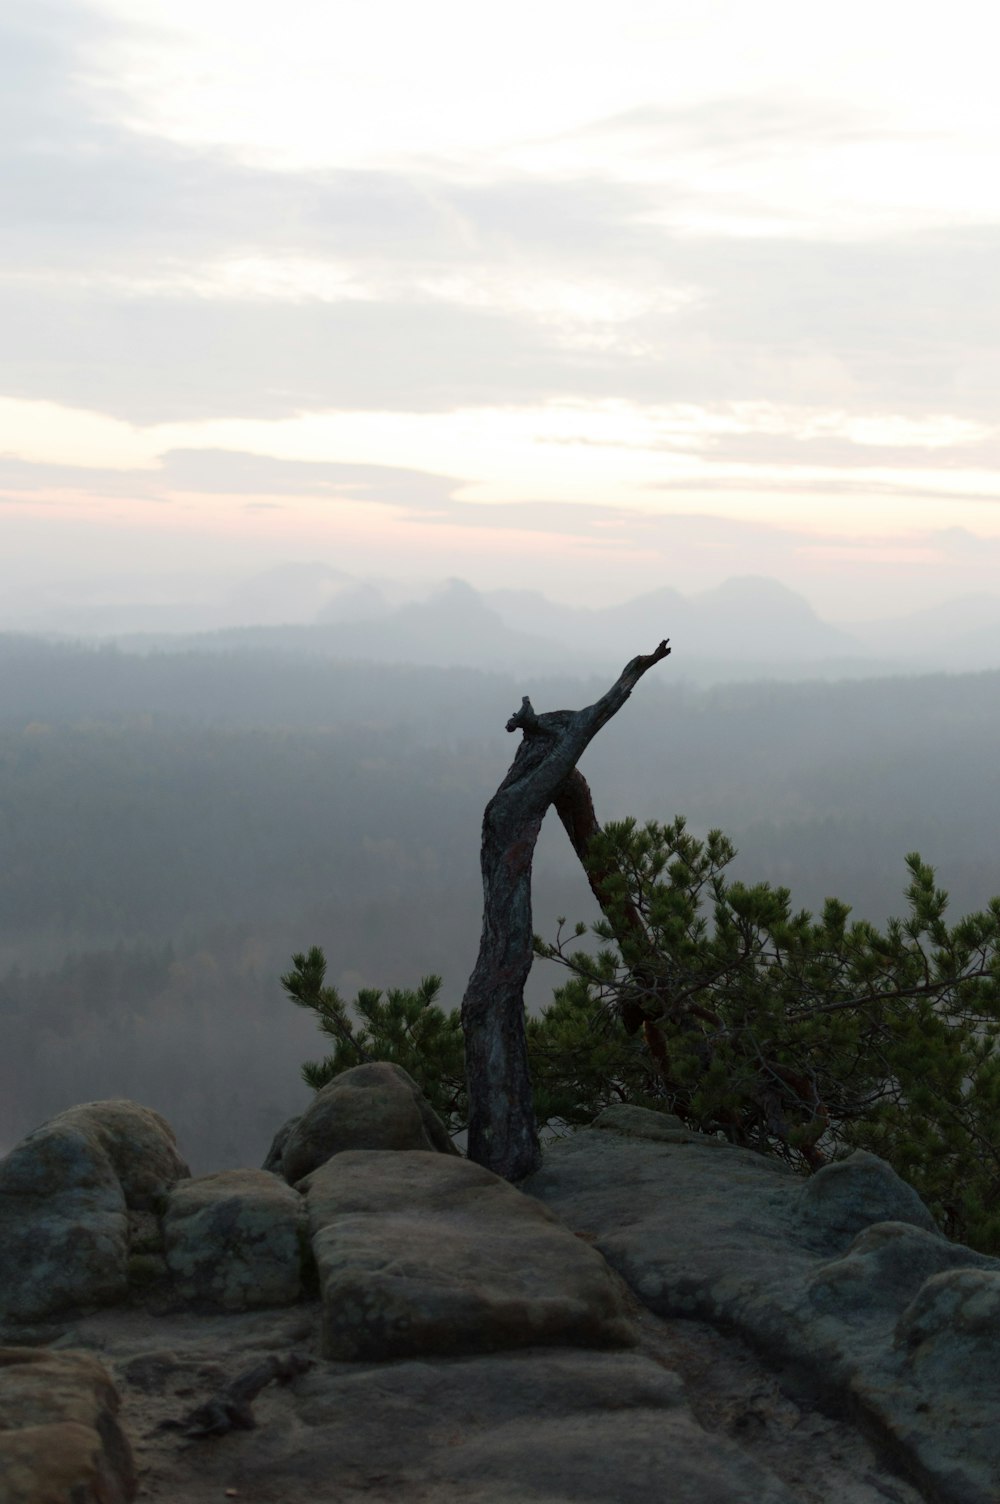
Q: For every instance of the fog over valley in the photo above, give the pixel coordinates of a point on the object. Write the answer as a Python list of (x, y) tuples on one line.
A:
[(743, 627), (179, 813)]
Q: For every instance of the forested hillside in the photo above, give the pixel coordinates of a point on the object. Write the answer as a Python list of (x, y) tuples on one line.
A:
[(173, 826)]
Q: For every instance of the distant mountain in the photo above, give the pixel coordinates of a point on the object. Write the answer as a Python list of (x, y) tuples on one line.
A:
[(751, 620), (750, 627), (302, 594), (453, 628), (599, 634), (746, 628), (961, 634), (753, 617)]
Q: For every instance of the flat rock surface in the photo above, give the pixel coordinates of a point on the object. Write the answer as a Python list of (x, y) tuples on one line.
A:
[(839, 1279), (422, 1254), (687, 1416)]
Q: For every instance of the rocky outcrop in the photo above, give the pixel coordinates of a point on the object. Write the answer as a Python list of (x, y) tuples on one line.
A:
[(376, 1106), (467, 1343), (66, 1192), (841, 1279), (422, 1254), (236, 1241), (60, 1439)]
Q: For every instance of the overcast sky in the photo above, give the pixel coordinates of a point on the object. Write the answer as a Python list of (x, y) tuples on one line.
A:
[(586, 297)]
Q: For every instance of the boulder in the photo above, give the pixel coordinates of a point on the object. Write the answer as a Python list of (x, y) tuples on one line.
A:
[(845, 1197), (140, 1144), (236, 1240), (65, 1194), (274, 1159), (420, 1253), (375, 1106), (63, 1227), (840, 1278), (60, 1439)]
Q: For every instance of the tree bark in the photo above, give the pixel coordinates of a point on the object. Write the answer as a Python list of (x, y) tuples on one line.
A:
[(502, 1132), (575, 807)]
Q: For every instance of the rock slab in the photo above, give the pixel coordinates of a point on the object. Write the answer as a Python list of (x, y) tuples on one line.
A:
[(552, 1425), (841, 1277), (60, 1440), (546, 1426), (424, 1254)]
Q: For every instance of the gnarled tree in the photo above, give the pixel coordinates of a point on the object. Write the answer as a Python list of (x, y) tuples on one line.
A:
[(502, 1130)]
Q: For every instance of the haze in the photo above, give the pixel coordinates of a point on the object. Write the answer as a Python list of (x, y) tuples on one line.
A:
[(365, 367)]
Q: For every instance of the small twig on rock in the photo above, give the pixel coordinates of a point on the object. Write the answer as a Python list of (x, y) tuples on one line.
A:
[(231, 1409)]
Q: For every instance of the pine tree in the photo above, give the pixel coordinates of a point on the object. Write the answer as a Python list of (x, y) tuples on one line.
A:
[(795, 1035)]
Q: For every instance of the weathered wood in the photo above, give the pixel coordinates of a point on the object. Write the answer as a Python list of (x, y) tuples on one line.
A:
[(575, 807), (231, 1409), (502, 1131)]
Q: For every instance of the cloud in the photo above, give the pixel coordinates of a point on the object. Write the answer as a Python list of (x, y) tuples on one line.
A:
[(228, 472), (840, 452), (156, 283), (912, 329), (234, 473)]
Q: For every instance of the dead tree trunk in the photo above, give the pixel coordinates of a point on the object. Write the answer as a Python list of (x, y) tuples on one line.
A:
[(502, 1131)]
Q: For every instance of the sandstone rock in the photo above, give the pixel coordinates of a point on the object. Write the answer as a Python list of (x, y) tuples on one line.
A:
[(140, 1144), (935, 1391), (65, 1191), (419, 1253), (546, 1426), (376, 1106), (549, 1425), (841, 1281), (60, 1440), (63, 1227), (236, 1240), (274, 1159), (896, 1324), (885, 1267), (665, 1127), (956, 1311), (845, 1197)]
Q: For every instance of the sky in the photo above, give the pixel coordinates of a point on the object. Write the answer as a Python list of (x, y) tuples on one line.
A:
[(574, 297)]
